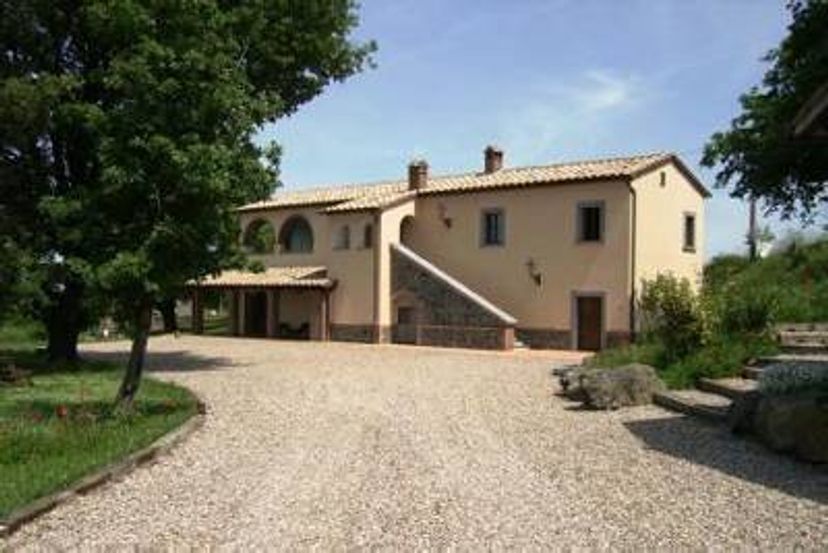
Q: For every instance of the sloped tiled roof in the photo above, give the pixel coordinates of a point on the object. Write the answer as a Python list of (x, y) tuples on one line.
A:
[(283, 277), (382, 194)]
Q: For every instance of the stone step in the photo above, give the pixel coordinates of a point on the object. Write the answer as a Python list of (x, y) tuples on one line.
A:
[(803, 358), (804, 347), (752, 372), (729, 387), (709, 406)]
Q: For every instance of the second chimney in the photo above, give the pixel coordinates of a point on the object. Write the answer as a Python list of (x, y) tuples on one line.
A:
[(493, 159), (417, 174)]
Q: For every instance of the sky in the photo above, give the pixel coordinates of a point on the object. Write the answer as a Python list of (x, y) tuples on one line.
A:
[(546, 80)]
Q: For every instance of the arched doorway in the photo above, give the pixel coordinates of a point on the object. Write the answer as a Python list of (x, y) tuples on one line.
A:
[(407, 230), (296, 236)]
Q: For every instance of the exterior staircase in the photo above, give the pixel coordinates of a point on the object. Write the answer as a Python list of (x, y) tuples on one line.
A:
[(713, 397)]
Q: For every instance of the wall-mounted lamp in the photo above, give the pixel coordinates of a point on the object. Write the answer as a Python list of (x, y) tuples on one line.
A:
[(534, 272), (443, 212)]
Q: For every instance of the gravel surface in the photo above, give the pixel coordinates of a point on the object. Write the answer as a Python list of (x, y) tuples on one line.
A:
[(338, 446)]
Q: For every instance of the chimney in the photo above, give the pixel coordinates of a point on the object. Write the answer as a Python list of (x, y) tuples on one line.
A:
[(417, 174), (493, 159)]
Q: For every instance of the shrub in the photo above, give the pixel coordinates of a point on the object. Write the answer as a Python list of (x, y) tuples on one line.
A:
[(671, 315), (745, 312), (647, 353)]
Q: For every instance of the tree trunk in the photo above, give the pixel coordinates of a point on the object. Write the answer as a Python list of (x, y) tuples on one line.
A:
[(167, 309), (135, 365), (64, 321)]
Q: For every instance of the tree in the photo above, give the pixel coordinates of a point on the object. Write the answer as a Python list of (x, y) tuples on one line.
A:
[(136, 134), (759, 155)]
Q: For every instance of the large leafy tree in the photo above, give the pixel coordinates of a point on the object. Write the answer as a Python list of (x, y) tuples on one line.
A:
[(128, 137), (759, 156)]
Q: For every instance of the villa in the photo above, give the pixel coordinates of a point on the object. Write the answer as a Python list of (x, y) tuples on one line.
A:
[(548, 256)]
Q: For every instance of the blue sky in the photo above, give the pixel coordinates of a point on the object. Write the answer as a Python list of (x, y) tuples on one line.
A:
[(547, 80)]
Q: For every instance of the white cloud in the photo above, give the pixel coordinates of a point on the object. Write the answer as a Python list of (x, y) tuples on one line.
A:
[(583, 115)]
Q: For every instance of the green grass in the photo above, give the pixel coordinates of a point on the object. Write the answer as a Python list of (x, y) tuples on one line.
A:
[(21, 334), (64, 426)]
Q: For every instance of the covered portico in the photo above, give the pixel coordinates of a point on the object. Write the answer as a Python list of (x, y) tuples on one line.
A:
[(279, 302)]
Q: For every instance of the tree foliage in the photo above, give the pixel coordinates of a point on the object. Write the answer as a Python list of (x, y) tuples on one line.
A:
[(759, 156), (127, 131)]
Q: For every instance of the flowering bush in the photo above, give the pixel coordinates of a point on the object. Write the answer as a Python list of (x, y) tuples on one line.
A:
[(672, 315)]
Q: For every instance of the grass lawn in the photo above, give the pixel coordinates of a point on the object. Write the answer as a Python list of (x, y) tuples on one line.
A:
[(63, 426)]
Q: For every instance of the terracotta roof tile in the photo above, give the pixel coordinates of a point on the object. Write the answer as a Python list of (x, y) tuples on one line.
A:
[(285, 277), (382, 194)]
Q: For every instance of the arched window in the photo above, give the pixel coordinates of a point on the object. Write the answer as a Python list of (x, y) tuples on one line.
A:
[(342, 239), (259, 237), (296, 236), (368, 236)]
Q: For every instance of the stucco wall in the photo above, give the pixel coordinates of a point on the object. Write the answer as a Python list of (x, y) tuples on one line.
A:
[(541, 225), (389, 223), (660, 226), (353, 269)]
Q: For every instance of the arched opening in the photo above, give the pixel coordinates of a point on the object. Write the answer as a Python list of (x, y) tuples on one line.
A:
[(259, 237), (406, 230), (296, 236)]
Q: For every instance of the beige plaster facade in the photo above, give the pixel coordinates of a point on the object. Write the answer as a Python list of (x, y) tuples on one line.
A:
[(543, 281)]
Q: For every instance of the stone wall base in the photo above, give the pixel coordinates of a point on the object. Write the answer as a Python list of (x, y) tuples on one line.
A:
[(498, 338), (545, 338), (353, 333), (551, 338)]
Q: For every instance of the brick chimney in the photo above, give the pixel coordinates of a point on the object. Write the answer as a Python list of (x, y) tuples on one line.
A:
[(493, 159), (417, 174)]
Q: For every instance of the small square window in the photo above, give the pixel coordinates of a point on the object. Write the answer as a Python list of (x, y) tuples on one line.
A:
[(689, 232), (493, 228), (591, 222)]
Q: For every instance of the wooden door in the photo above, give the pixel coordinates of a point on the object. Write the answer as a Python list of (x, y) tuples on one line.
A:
[(590, 322)]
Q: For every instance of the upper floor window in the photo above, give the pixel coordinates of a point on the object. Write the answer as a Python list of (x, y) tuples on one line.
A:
[(259, 237), (296, 235), (342, 239), (493, 227), (590, 221), (368, 236), (689, 232)]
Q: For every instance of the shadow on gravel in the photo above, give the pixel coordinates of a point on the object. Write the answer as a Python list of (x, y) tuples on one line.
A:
[(168, 361), (717, 448)]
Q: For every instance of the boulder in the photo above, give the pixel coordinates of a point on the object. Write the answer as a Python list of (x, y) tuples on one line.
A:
[(742, 415), (795, 423), (622, 386)]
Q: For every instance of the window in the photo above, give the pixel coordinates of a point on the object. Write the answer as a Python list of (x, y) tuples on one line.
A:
[(342, 240), (368, 236), (296, 236), (690, 232), (405, 315), (590, 221), (493, 228)]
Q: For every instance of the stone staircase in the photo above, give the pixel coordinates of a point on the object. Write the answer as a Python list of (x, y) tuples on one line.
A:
[(712, 398)]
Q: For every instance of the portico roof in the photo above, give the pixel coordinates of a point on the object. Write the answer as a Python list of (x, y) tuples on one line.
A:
[(272, 277)]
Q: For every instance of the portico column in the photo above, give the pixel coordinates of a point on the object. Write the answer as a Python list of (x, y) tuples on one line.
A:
[(323, 316), (198, 312), (242, 324), (271, 313)]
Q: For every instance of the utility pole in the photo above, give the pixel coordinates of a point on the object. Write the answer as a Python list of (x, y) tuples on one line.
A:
[(752, 233)]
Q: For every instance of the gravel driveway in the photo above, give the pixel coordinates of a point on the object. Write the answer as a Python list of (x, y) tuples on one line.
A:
[(338, 446)]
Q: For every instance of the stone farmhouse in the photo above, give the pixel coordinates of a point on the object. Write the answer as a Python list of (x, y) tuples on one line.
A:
[(548, 256)]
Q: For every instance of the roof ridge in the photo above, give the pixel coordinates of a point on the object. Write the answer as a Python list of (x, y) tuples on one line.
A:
[(386, 182)]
